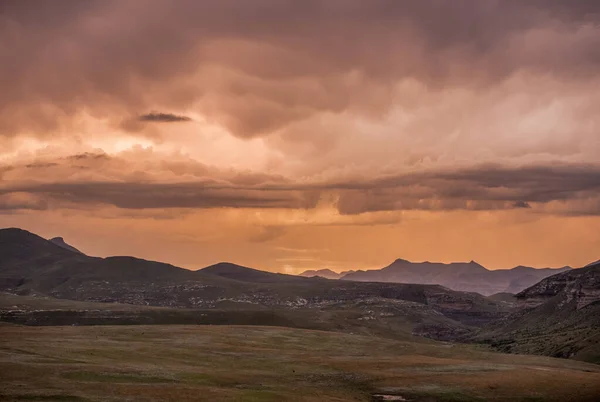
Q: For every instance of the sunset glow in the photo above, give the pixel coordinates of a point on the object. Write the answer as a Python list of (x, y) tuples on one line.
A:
[(293, 135)]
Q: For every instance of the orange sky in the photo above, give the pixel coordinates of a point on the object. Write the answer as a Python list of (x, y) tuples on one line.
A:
[(291, 135)]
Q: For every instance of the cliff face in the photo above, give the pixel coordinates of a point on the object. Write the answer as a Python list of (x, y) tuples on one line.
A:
[(580, 285), (559, 316)]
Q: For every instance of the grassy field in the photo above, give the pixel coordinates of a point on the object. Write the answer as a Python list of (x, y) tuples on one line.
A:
[(240, 363)]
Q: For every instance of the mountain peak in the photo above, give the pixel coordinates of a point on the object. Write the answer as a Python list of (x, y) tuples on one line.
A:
[(17, 232), (226, 267), (59, 241), (240, 273), (323, 273), (21, 236)]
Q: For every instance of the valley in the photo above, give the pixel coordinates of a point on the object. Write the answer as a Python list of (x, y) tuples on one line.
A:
[(89, 328), (279, 200)]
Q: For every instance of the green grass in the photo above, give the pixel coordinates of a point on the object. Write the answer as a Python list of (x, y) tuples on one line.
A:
[(240, 363)]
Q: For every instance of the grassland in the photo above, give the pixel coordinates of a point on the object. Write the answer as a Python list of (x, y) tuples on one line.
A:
[(239, 363)]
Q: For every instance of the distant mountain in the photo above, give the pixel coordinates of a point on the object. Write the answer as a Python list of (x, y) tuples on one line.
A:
[(59, 241), (31, 265), (245, 274), (463, 276), (559, 316), (324, 273)]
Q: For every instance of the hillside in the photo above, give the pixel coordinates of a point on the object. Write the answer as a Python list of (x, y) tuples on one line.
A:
[(559, 316), (463, 276), (33, 265), (245, 274)]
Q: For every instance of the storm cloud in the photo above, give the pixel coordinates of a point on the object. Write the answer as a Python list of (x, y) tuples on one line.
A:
[(163, 118), (256, 67), (175, 185), (437, 129)]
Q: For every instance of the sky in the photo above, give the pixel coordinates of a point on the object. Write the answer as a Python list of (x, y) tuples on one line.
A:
[(292, 135)]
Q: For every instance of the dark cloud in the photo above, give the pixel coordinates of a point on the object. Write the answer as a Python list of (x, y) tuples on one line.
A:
[(476, 188), (21, 201), (564, 188), (163, 118), (521, 204), (88, 156), (257, 66), (168, 195), (41, 165)]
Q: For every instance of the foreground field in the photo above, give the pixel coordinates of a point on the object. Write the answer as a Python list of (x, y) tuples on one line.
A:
[(238, 363)]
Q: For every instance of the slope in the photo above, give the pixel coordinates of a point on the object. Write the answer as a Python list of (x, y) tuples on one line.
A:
[(59, 241), (245, 274), (239, 363), (559, 316), (37, 266)]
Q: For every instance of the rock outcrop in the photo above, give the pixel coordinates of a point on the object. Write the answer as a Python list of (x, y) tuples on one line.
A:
[(581, 286), (559, 316), (59, 241)]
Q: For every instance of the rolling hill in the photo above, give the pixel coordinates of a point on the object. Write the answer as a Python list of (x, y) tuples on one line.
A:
[(48, 284), (245, 274)]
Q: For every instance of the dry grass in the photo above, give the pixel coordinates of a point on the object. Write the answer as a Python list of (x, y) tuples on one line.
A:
[(234, 363)]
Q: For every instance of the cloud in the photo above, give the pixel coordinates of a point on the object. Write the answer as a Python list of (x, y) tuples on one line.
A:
[(21, 201), (163, 118), (486, 187), (258, 67), (521, 204), (77, 157), (357, 125), (267, 233), (140, 181)]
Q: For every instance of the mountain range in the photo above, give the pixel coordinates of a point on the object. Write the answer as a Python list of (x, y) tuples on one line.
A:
[(31, 265), (48, 282), (463, 276)]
